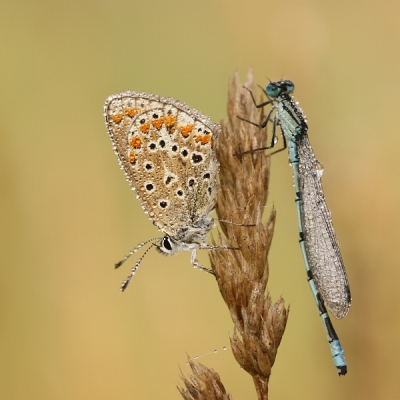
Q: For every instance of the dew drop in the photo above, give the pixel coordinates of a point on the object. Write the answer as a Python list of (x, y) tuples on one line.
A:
[(320, 168)]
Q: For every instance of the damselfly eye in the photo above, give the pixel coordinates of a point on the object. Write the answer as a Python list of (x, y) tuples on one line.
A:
[(289, 86), (273, 90)]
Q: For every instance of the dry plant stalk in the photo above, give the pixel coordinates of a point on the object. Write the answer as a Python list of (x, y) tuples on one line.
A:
[(242, 275), (204, 384)]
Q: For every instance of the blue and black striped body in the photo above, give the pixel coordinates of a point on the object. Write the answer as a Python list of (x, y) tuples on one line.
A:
[(324, 265)]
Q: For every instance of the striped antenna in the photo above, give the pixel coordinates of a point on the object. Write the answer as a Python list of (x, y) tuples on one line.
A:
[(129, 278), (138, 247)]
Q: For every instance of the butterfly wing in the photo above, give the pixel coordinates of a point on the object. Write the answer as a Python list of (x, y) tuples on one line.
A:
[(167, 151)]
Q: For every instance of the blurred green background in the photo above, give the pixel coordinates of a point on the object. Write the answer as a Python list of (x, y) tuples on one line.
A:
[(67, 214)]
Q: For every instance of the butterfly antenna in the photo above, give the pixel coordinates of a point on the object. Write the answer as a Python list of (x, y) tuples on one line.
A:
[(125, 283), (133, 251)]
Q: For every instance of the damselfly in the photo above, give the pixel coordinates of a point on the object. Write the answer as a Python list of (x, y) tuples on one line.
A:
[(324, 265)]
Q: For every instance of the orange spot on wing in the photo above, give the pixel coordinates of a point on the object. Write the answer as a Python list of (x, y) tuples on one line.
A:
[(130, 112), (132, 158), (117, 118), (136, 142), (186, 130), (206, 139), (157, 123), (145, 127), (170, 121)]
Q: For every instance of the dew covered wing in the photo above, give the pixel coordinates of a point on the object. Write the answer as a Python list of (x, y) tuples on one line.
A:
[(321, 245), (167, 151)]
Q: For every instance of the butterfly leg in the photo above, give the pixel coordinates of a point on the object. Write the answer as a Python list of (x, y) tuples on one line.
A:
[(195, 263)]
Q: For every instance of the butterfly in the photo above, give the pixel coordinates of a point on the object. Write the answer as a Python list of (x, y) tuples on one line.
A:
[(167, 151)]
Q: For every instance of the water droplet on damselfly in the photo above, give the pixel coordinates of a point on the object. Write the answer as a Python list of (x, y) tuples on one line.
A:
[(320, 168)]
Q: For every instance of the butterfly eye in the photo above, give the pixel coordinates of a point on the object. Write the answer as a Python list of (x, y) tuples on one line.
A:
[(166, 243)]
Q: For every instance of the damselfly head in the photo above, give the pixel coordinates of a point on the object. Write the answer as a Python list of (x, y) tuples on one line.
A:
[(274, 89)]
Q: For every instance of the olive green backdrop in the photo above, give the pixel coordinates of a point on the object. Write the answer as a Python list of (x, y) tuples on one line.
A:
[(67, 214)]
